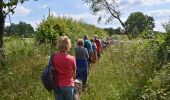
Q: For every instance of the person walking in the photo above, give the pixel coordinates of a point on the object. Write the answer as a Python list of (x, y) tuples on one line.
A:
[(65, 67), (82, 56), (99, 46), (94, 54), (88, 45)]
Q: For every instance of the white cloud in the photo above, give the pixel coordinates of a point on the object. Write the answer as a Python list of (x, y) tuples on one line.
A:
[(125, 4), (21, 11), (159, 13), (158, 25), (82, 16), (34, 24), (7, 24), (153, 2), (45, 6)]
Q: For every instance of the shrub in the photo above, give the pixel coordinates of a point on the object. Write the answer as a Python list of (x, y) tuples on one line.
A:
[(147, 34), (51, 28)]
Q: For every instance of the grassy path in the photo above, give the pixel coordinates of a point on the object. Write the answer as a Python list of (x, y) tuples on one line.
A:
[(119, 73)]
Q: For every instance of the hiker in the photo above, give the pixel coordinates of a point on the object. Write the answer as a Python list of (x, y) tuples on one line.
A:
[(88, 45), (65, 67), (99, 46), (107, 42), (82, 56), (103, 43), (94, 54)]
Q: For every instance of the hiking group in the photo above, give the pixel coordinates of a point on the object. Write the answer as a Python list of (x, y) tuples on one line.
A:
[(71, 73)]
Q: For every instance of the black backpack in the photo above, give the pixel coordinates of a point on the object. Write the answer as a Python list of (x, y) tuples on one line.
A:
[(48, 76)]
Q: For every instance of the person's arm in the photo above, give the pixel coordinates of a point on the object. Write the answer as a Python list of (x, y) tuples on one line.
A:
[(101, 47), (74, 74), (74, 68), (87, 54)]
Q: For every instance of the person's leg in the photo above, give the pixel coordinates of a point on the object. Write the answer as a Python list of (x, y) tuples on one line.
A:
[(68, 93), (98, 55), (85, 76), (58, 94)]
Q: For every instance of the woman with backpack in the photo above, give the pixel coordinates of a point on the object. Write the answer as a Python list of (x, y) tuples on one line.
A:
[(82, 56), (65, 67), (88, 46), (94, 54)]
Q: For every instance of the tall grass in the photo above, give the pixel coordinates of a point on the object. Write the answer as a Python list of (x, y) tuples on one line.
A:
[(126, 71), (121, 73), (20, 77)]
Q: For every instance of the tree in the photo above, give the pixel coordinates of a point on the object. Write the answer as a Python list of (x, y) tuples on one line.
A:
[(106, 7), (21, 29), (137, 22), (6, 7)]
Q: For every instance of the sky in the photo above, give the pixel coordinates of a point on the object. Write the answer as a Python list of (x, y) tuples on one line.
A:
[(33, 12)]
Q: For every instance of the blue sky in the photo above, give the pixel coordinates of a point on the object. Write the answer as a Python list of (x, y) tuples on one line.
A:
[(33, 12)]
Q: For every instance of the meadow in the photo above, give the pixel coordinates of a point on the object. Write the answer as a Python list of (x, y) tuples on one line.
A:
[(126, 71), (136, 69)]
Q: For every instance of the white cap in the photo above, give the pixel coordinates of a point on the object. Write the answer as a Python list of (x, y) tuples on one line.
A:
[(77, 81)]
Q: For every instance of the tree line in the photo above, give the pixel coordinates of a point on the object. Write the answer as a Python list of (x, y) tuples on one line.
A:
[(21, 29)]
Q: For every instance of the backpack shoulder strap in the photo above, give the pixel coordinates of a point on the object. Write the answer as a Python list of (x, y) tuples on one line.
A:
[(52, 59)]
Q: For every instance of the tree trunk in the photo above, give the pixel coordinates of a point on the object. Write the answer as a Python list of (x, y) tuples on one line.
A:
[(123, 25), (2, 22)]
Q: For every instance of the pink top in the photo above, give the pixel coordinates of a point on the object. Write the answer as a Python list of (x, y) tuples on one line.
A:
[(64, 65)]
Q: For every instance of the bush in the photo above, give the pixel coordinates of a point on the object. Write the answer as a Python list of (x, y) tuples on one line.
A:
[(147, 34), (51, 28), (163, 53)]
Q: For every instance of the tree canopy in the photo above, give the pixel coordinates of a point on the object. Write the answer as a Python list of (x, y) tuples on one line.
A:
[(21, 29), (137, 22)]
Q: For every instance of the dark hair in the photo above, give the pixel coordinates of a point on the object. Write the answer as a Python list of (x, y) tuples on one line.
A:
[(92, 40)]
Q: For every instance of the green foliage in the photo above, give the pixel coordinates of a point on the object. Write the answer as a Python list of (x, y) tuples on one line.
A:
[(25, 59), (112, 31), (51, 28), (120, 74), (137, 22), (20, 77), (21, 29), (125, 71), (147, 34), (132, 72), (158, 87), (6, 7), (163, 55)]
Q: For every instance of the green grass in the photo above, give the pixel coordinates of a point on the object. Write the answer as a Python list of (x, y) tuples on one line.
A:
[(126, 71), (120, 74), (20, 76)]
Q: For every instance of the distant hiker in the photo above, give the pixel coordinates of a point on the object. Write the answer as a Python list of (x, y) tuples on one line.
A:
[(99, 46), (88, 45), (65, 66), (107, 42), (82, 56), (103, 43), (94, 55)]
